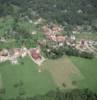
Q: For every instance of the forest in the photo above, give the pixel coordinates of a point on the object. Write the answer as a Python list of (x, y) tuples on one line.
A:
[(68, 13)]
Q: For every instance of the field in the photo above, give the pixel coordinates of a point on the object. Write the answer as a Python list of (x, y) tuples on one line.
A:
[(74, 72), (61, 70), (89, 70), (87, 36), (24, 79)]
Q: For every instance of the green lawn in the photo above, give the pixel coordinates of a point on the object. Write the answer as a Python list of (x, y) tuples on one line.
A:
[(33, 82), (89, 70)]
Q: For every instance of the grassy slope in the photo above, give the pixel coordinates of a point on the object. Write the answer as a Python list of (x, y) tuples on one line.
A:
[(89, 70), (62, 69), (34, 82), (91, 36)]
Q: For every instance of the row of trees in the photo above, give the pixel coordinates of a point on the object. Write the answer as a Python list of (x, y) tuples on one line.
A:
[(74, 52), (56, 52), (75, 94)]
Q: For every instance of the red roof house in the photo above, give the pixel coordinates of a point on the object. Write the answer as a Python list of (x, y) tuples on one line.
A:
[(35, 53), (60, 38)]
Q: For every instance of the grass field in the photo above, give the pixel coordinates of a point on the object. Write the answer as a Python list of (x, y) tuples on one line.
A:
[(91, 36), (74, 69), (62, 69), (89, 70), (31, 81), (54, 73)]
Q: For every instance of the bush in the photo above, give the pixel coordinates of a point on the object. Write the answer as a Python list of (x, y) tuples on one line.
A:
[(71, 51), (88, 55)]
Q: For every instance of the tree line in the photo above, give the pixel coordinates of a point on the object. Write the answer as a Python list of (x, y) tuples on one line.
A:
[(68, 13), (75, 94), (54, 51)]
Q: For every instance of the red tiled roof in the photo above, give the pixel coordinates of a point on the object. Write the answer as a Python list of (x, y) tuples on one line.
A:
[(35, 54), (60, 38)]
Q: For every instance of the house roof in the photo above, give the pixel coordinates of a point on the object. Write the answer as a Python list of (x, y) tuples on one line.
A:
[(60, 38), (35, 53)]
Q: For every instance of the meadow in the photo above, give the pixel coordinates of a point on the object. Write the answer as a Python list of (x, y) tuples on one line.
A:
[(74, 72), (24, 79), (87, 36), (88, 69), (61, 70)]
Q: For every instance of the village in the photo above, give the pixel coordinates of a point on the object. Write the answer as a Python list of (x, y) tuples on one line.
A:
[(48, 49), (51, 34)]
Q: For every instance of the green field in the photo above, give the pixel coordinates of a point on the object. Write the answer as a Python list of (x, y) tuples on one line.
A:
[(54, 73), (87, 36), (89, 70), (61, 70), (26, 73), (68, 69)]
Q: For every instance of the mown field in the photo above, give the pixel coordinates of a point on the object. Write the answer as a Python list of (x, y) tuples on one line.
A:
[(24, 79), (74, 72), (61, 70)]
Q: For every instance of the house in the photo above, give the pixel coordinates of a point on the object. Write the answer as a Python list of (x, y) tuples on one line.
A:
[(4, 53), (17, 52), (82, 42), (73, 37), (35, 53), (39, 21), (34, 32), (24, 51), (60, 38), (56, 29), (52, 37)]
